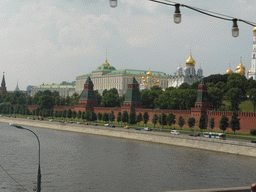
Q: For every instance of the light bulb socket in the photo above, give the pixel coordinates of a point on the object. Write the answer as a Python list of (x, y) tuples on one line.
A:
[(177, 8), (235, 23)]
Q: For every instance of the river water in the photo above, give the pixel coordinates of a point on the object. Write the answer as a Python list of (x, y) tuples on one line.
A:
[(82, 162)]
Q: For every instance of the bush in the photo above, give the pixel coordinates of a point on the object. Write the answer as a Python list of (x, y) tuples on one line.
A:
[(253, 131)]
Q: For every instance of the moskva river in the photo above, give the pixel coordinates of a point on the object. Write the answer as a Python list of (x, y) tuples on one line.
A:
[(80, 162)]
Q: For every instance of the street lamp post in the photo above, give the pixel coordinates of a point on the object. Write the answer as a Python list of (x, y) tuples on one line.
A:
[(39, 170)]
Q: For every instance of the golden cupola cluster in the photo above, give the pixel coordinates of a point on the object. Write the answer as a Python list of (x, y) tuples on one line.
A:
[(149, 73), (254, 31), (190, 61), (250, 71), (240, 69)]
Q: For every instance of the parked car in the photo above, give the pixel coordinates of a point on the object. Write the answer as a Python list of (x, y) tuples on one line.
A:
[(86, 123), (106, 125), (111, 125), (28, 118), (95, 124), (253, 141), (194, 134), (175, 132), (139, 129), (13, 116), (78, 122), (1, 115), (33, 118), (147, 129), (51, 120)]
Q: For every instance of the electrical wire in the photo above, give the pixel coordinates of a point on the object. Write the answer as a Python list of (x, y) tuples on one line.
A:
[(13, 178), (206, 12)]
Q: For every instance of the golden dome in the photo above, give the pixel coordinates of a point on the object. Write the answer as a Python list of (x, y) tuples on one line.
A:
[(144, 81), (158, 81), (254, 29), (240, 66), (190, 61), (240, 69), (142, 77), (250, 71), (147, 77), (99, 68), (149, 73), (106, 63), (229, 71)]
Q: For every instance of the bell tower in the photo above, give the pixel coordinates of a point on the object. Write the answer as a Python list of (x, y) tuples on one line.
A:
[(3, 89)]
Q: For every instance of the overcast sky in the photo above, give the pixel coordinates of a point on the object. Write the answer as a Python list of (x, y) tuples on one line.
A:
[(50, 41)]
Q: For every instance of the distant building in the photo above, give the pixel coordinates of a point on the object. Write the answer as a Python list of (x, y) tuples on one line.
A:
[(29, 88), (64, 90), (187, 75), (17, 87), (252, 71), (68, 83), (3, 89), (107, 77)]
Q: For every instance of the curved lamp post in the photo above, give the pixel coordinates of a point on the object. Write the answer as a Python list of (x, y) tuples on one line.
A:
[(39, 170)]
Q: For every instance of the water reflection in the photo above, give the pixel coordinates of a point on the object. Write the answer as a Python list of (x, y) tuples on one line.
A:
[(80, 162)]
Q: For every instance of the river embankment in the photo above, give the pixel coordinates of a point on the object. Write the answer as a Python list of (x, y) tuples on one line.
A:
[(226, 146)]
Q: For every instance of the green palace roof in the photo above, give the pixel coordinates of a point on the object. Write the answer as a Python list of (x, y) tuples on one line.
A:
[(130, 72), (56, 86)]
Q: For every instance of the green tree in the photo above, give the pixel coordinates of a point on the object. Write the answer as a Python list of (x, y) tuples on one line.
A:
[(154, 119), (162, 119), (46, 102), (191, 122), (93, 116), (181, 122), (88, 116), (69, 113), (235, 122), (112, 116), (105, 117), (212, 123), (236, 80), (132, 118), (83, 115), (79, 114), (125, 117), (119, 116), (64, 114), (202, 122), (99, 116), (60, 114), (145, 117), (56, 114), (74, 114), (252, 97), (184, 86), (235, 96), (215, 97), (223, 123), (170, 119), (139, 118), (110, 100)]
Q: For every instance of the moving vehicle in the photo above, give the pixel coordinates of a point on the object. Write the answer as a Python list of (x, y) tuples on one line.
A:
[(40, 118), (175, 132), (95, 124), (253, 141), (213, 135), (195, 134), (86, 123), (51, 120)]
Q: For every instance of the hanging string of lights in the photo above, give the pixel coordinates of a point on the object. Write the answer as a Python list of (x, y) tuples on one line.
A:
[(177, 14)]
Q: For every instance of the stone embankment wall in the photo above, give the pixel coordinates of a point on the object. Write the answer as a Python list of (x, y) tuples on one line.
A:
[(233, 147)]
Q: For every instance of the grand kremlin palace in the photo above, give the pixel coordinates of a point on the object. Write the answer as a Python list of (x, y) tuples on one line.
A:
[(107, 77)]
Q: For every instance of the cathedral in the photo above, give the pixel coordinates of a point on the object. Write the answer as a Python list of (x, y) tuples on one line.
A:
[(252, 71), (187, 75)]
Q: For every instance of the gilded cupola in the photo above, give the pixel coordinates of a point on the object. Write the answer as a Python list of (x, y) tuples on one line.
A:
[(190, 61), (149, 73), (229, 71), (250, 71), (106, 63), (240, 69), (254, 31)]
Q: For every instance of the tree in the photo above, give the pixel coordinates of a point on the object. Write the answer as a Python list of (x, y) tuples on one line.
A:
[(79, 114), (74, 114), (88, 116), (69, 113), (46, 102), (212, 123), (162, 119), (64, 114), (112, 116), (202, 122), (83, 115), (132, 118), (223, 123), (139, 118), (154, 119), (184, 86), (33, 112), (105, 117), (99, 116), (252, 97), (55, 114), (119, 116), (235, 122), (235, 96), (170, 119), (110, 100), (215, 96), (60, 114), (125, 117), (93, 116), (191, 122), (181, 122), (145, 117)]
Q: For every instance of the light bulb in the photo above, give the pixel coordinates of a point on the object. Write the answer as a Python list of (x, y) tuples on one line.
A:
[(113, 3), (177, 15), (235, 29)]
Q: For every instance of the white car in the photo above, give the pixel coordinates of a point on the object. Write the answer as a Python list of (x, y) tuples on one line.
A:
[(51, 120), (175, 132)]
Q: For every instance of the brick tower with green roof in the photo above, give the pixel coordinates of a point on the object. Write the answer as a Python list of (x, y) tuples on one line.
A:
[(201, 105), (3, 86), (88, 98), (132, 97)]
